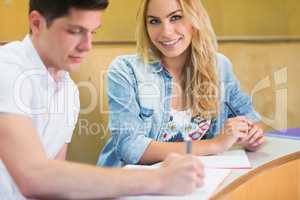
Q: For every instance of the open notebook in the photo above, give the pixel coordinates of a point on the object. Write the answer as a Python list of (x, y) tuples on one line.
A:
[(231, 159), (217, 168), (213, 178)]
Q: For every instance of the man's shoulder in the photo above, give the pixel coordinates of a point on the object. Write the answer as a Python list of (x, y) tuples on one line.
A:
[(14, 90), (11, 48), (12, 54), (11, 62)]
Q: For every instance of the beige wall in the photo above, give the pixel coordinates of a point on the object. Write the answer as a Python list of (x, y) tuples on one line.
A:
[(13, 19), (254, 17), (229, 17), (86, 144), (253, 62), (258, 62)]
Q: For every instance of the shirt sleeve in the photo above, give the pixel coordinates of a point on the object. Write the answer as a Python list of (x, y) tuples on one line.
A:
[(15, 90), (74, 108), (129, 126), (240, 101)]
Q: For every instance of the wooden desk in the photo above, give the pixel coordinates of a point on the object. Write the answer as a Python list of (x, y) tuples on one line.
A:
[(275, 174)]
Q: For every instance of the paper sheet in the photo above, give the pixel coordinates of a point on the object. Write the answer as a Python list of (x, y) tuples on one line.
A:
[(213, 178), (231, 159), (217, 168)]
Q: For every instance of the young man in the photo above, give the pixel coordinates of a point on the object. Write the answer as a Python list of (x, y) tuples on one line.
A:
[(39, 107)]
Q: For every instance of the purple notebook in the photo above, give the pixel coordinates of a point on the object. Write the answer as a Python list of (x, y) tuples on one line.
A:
[(291, 133)]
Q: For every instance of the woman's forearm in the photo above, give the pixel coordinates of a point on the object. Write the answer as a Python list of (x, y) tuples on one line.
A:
[(158, 151)]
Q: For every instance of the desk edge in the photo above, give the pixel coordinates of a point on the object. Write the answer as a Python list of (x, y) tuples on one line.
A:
[(255, 172)]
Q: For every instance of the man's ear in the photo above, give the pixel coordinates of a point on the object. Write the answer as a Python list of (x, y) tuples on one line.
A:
[(37, 22)]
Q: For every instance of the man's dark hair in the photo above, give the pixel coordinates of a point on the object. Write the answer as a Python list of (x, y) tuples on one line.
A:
[(52, 9)]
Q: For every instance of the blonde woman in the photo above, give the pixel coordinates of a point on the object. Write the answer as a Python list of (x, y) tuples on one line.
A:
[(175, 89)]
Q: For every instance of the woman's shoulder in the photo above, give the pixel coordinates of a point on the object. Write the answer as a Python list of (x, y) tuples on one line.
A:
[(131, 63), (223, 61), (224, 66), (129, 60)]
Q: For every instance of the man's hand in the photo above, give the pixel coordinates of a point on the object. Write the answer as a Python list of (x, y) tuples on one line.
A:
[(181, 174)]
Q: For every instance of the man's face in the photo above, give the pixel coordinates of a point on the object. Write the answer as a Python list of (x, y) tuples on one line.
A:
[(65, 43)]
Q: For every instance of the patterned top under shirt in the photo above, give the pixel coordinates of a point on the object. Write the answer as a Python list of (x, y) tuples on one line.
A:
[(181, 126)]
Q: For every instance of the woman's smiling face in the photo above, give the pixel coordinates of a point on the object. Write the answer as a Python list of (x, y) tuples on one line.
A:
[(169, 30)]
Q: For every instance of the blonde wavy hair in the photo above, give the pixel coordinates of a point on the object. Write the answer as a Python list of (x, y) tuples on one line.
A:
[(201, 84)]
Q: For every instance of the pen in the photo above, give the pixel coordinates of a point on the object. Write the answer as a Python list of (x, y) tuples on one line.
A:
[(231, 109), (188, 146)]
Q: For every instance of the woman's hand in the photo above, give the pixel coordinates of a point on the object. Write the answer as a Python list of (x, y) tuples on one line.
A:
[(254, 139), (234, 129)]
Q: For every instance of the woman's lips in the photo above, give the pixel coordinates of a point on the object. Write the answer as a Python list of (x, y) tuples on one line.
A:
[(170, 44)]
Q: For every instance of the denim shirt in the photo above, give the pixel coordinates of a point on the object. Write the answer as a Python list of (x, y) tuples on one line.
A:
[(140, 101)]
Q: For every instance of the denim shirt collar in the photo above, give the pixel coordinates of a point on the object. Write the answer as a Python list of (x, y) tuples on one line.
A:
[(156, 66)]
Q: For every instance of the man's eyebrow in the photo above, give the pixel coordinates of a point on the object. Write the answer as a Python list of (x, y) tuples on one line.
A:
[(76, 27), (82, 28), (99, 26)]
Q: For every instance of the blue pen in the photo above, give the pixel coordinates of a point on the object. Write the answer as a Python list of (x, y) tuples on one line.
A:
[(188, 146), (231, 109)]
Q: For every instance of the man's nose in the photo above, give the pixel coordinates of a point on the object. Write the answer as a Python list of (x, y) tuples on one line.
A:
[(85, 43)]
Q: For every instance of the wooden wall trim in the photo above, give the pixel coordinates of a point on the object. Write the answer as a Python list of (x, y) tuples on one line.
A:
[(258, 39), (256, 172), (222, 39), (114, 42)]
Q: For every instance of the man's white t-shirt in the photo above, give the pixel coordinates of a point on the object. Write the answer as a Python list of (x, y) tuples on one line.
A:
[(27, 88)]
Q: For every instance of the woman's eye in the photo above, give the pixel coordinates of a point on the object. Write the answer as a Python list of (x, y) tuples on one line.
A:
[(176, 17), (153, 21)]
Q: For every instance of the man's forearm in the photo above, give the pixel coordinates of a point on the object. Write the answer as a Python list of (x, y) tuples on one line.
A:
[(77, 181)]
